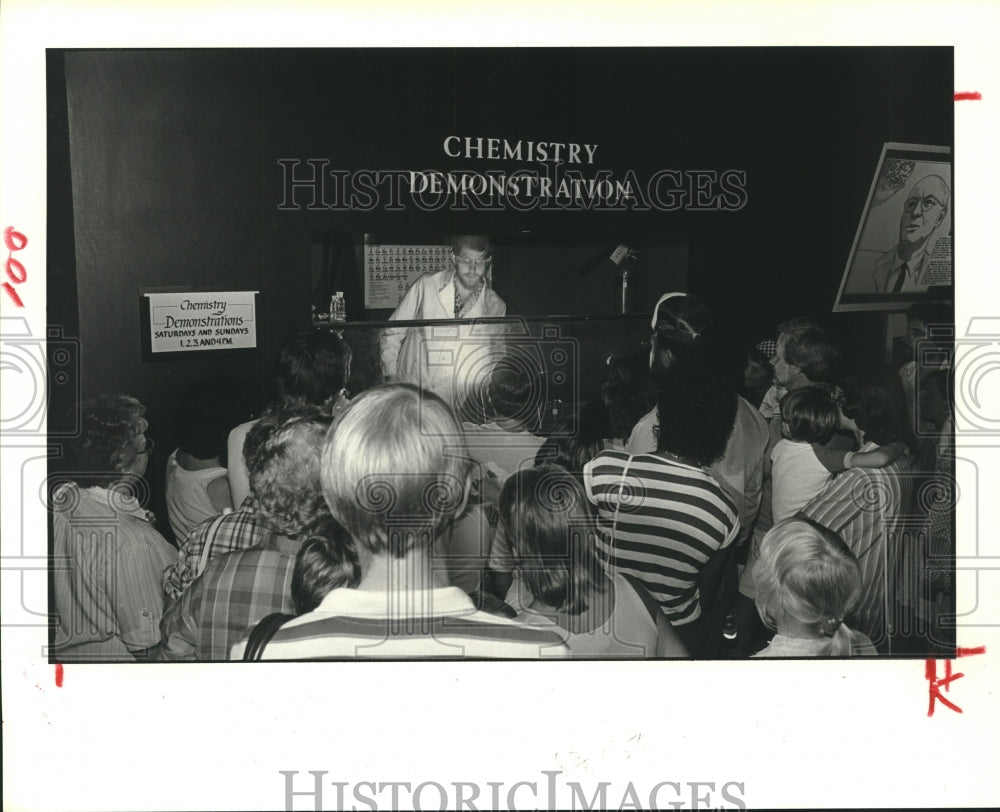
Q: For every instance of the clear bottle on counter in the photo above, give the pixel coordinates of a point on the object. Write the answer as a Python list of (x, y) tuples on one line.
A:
[(338, 307)]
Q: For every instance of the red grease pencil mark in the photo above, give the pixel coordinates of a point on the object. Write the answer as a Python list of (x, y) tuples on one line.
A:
[(937, 683), (16, 274), (968, 96), (59, 675)]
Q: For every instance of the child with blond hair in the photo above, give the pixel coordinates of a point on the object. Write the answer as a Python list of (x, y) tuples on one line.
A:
[(808, 580)]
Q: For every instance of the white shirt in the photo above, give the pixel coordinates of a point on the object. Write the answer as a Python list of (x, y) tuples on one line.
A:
[(797, 476)]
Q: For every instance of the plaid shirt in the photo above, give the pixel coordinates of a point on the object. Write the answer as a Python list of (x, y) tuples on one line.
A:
[(229, 598), (234, 531)]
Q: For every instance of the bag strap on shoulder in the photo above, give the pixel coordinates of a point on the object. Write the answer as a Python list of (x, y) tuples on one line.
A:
[(262, 634), (618, 501)]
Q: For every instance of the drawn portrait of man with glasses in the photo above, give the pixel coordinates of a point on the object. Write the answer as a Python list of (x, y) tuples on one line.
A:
[(902, 251), (900, 269)]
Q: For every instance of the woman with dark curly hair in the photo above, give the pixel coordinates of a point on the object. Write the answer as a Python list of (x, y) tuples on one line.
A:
[(663, 517), (107, 580), (696, 367)]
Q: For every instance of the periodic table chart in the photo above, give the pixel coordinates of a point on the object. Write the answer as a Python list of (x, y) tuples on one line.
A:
[(390, 269)]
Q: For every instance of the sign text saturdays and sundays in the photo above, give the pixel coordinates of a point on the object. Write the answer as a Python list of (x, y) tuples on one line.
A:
[(192, 321)]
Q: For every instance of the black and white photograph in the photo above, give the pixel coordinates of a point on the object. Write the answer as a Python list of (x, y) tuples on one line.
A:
[(356, 384)]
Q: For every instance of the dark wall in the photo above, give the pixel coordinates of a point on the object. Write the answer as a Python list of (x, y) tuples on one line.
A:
[(806, 125), (164, 152), (176, 179)]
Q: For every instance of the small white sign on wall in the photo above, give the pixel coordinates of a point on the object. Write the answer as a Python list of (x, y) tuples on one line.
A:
[(197, 320)]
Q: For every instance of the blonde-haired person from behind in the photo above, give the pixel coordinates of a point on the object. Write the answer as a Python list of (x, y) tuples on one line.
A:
[(807, 583), (395, 474)]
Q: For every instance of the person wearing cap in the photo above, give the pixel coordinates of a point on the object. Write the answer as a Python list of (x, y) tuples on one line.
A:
[(682, 321), (758, 373), (442, 358)]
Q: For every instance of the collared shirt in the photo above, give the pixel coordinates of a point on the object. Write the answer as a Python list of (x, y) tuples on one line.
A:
[(108, 561), (770, 406), (441, 357), (784, 646), (229, 598), (433, 623), (463, 306), (912, 274), (234, 531)]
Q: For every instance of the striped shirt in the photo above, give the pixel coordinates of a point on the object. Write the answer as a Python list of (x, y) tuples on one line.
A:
[(867, 507), (436, 623), (221, 605), (239, 530), (673, 518), (107, 564), (740, 469)]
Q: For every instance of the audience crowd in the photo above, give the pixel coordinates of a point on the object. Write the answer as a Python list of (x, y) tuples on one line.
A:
[(715, 499)]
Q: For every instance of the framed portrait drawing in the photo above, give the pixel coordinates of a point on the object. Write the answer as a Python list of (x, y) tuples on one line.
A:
[(902, 251)]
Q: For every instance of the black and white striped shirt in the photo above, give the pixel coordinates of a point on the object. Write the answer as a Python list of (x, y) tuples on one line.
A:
[(660, 521)]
